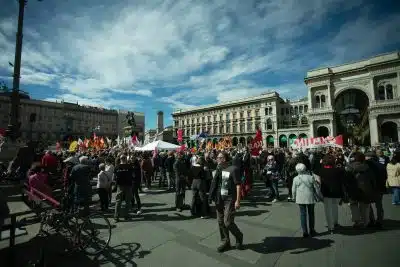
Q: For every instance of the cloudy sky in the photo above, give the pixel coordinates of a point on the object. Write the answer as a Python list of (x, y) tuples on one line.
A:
[(149, 55)]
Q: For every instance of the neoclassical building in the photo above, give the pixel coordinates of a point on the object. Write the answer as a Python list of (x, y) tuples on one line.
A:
[(359, 100)]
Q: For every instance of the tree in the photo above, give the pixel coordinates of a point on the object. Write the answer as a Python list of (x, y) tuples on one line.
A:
[(4, 88)]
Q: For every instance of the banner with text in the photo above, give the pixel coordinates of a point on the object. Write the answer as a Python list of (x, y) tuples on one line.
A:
[(313, 142)]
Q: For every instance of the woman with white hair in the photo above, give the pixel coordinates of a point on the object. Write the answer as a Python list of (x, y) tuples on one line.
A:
[(304, 190)]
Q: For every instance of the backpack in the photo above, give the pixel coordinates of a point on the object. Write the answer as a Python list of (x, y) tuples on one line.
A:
[(367, 184)]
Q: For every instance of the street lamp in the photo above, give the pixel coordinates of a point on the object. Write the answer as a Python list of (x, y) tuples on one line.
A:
[(14, 124)]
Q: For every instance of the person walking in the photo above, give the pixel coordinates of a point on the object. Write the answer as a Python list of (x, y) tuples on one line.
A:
[(123, 179), (225, 191), (332, 186), (103, 186), (303, 190), (393, 179)]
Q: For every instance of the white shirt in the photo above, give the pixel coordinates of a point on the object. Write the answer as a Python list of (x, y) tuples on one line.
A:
[(103, 180), (110, 171)]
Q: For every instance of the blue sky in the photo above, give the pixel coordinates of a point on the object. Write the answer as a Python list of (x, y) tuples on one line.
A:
[(149, 55)]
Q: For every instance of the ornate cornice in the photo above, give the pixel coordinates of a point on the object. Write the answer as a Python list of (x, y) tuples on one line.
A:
[(385, 70), (364, 82)]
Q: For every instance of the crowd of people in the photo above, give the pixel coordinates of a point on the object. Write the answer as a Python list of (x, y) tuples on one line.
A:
[(333, 176)]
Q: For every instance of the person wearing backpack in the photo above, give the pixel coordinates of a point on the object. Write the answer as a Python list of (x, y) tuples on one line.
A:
[(363, 190)]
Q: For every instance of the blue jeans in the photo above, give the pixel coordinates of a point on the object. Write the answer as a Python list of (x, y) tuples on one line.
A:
[(275, 188), (396, 195), (307, 209)]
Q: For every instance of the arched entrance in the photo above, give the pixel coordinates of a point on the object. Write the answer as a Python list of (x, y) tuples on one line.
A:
[(270, 141), (292, 137), (234, 141), (322, 131), (389, 132), (249, 139), (352, 116), (302, 136), (282, 141), (242, 140)]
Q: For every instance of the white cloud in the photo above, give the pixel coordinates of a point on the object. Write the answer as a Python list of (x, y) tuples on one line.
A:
[(205, 50)]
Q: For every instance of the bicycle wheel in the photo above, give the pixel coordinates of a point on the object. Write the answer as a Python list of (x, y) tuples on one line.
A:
[(94, 234)]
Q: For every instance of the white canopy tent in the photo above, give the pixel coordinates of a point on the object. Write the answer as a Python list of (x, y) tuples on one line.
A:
[(159, 145)]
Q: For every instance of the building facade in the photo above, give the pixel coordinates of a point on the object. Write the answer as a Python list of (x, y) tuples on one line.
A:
[(359, 100), (55, 121)]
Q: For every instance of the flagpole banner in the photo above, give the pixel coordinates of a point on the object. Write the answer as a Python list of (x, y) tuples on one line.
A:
[(256, 144), (179, 134), (314, 142)]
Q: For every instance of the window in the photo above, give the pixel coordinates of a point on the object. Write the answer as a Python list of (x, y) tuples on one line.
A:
[(242, 130), (221, 117), (269, 124), (248, 113), (323, 101), (215, 118), (249, 127), (317, 102), (304, 120), (234, 115), (305, 109), (282, 111), (266, 111), (221, 129), (301, 109), (296, 110), (215, 130), (234, 128), (228, 115), (257, 113), (381, 93), (389, 91), (270, 111), (203, 119), (241, 114), (228, 128)]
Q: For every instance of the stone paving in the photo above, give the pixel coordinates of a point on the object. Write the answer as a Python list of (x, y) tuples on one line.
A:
[(164, 237)]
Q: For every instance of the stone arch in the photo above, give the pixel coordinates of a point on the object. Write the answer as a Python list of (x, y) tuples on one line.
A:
[(302, 136), (292, 137), (322, 131), (242, 140), (389, 132), (282, 140), (354, 87), (270, 141), (234, 141)]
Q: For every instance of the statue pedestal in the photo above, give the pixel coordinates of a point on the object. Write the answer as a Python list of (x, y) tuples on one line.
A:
[(9, 150)]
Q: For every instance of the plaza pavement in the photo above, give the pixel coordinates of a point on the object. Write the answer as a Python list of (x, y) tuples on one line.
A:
[(272, 237)]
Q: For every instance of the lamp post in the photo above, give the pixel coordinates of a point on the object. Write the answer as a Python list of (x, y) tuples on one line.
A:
[(14, 125)]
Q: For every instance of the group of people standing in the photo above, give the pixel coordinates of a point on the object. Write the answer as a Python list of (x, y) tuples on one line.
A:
[(330, 176)]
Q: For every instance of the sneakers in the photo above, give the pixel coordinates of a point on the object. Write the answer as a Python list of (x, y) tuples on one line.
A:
[(239, 243), (275, 200), (139, 212)]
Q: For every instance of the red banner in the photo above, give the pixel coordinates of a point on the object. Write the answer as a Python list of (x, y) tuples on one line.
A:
[(256, 144), (318, 142), (179, 133)]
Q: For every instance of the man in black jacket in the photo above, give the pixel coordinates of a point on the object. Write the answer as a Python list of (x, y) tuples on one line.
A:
[(181, 173), (124, 174), (381, 175), (225, 192)]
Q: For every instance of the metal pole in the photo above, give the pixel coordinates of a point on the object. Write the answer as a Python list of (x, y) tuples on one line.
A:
[(13, 126)]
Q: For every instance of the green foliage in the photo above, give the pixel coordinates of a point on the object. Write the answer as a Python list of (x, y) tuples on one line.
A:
[(4, 87)]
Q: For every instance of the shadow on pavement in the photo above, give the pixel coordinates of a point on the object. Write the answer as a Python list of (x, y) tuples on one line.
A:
[(250, 213), (282, 244), (388, 225), (122, 255), (55, 253)]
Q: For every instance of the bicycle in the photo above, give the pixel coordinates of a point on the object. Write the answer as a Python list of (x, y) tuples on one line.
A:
[(80, 227)]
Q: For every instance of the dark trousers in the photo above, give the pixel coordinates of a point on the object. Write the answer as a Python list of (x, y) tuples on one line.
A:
[(307, 209), (379, 211), (103, 195), (180, 192), (273, 184), (147, 178), (289, 183), (136, 197), (226, 221), (198, 189)]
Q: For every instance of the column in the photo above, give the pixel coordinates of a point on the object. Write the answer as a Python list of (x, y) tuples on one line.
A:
[(310, 99), (373, 128), (312, 130), (332, 125), (372, 89)]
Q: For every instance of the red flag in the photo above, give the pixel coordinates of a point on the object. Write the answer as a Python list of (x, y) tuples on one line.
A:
[(256, 144), (179, 133), (134, 140), (339, 140)]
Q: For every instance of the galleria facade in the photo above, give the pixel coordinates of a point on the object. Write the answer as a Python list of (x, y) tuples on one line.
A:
[(359, 100)]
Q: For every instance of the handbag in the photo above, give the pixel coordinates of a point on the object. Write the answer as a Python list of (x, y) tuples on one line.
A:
[(318, 197)]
